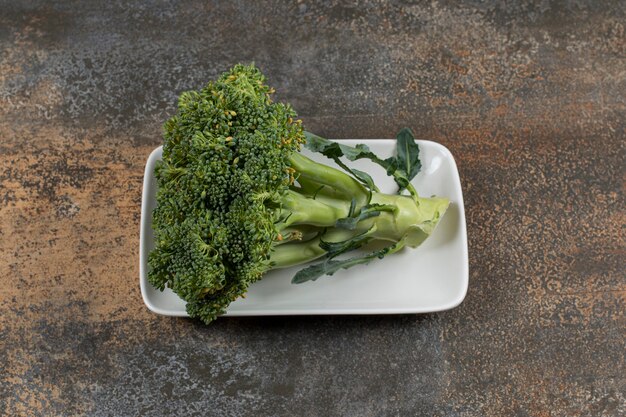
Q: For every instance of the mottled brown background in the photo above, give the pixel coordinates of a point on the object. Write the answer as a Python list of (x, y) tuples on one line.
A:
[(528, 95)]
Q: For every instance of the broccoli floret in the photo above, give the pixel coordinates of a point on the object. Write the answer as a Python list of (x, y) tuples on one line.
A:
[(236, 198)]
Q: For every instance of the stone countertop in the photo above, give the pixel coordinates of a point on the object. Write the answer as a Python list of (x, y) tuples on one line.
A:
[(528, 96)]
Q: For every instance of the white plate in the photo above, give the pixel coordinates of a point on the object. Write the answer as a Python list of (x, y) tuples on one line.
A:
[(433, 277)]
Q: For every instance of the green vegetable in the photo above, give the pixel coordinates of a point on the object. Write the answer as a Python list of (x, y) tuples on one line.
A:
[(237, 199)]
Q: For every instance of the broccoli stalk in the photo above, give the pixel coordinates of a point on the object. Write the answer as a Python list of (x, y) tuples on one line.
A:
[(326, 203), (237, 199)]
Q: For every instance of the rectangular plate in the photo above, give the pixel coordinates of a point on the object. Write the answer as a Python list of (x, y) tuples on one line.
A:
[(433, 277)]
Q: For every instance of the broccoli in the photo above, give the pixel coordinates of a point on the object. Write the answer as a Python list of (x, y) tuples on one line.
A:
[(237, 199)]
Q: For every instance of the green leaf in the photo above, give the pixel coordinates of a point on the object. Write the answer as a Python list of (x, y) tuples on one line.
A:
[(408, 154), (401, 180), (337, 248), (330, 266), (365, 178), (359, 151), (371, 210), (313, 272), (326, 147), (350, 223), (352, 207), (403, 167), (390, 165), (334, 151)]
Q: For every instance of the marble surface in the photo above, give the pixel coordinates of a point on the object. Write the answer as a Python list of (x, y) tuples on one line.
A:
[(528, 96)]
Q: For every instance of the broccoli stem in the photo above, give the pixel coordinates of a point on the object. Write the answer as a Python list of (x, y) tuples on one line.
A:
[(409, 225), (325, 195), (300, 209), (296, 253), (323, 175), (290, 254), (412, 221)]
